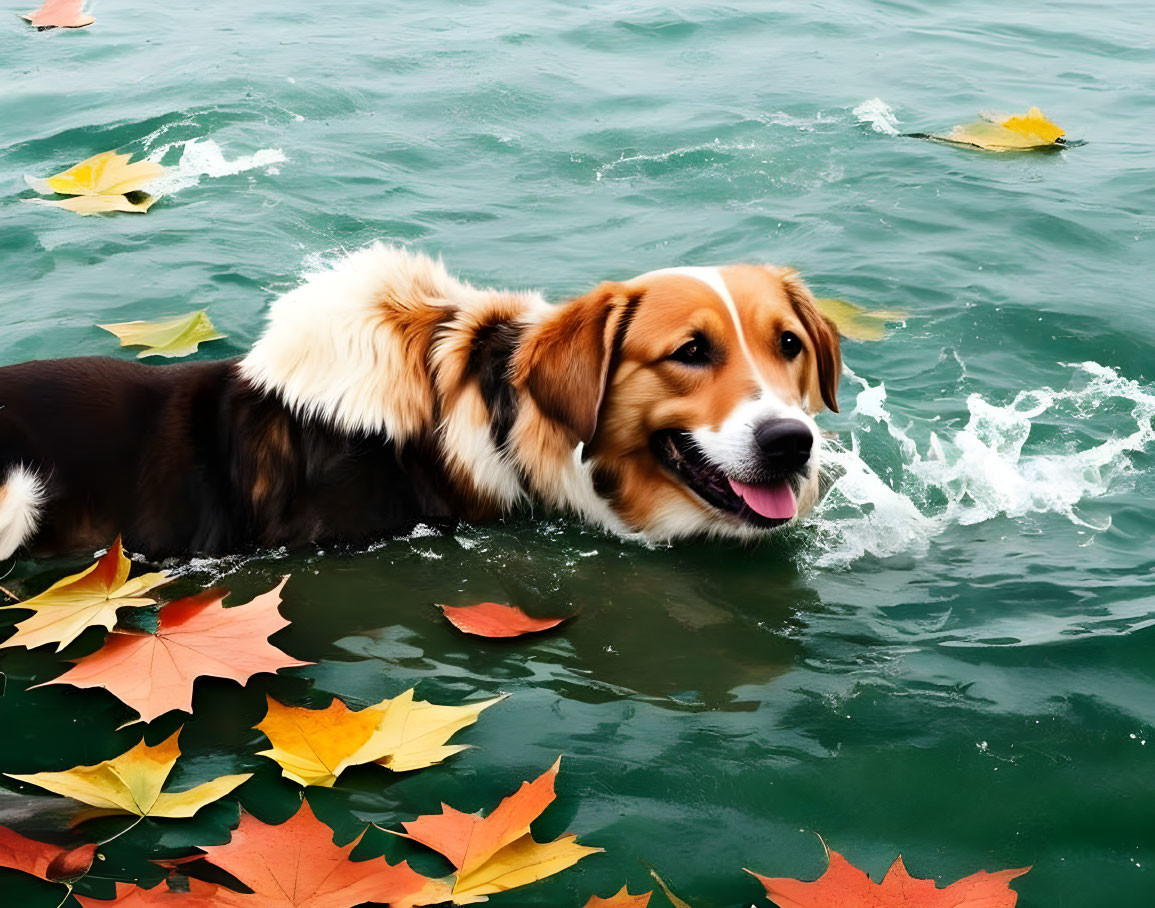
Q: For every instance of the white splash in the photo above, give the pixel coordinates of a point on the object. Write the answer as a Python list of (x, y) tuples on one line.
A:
[(879, 115), (980, 472), (204, 158)]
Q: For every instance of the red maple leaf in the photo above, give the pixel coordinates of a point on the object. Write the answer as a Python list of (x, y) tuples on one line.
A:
[(200, 895), (844, 885), (49, 862), (197, 635), (296, 865), (490, 619)]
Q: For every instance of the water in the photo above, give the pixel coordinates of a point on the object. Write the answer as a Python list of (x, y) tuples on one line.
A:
[(950, 660)]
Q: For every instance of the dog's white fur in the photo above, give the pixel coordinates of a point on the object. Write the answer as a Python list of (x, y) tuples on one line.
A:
[(21, 500)]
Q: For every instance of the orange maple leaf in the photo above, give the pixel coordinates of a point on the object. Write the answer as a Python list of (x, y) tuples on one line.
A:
[(497, 852), (843, 884), (200, 895), (490, 619), (60, 14), (197, 635), (49, 862), (622, 900), (296, 864)]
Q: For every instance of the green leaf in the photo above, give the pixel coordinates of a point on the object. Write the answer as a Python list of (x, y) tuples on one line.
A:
[(176, 336), (856, 323)]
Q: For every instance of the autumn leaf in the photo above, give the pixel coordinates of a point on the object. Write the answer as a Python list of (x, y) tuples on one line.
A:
[(176, 336), (132, 782), (49, 862), (107, 173), (1001, 132), (98, 204), (59, 14), (845, 884), (297, 864), (314, 746), (856, 323), (200, 895), (496, 853), (80, 601), (489, 619), (622, 900), (195, 636)]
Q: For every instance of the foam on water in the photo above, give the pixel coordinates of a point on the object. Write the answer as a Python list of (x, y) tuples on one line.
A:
[(204, 158), (983, 470), (879, 115)]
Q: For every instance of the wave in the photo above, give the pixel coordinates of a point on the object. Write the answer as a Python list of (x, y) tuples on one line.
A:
[(878, 115), (203, 158)]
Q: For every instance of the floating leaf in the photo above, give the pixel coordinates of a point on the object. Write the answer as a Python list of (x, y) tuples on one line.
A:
[(49, 862), (1000, 132), (176, 336), (856, 323), (99, 204), (314, 746), (489, 619), (622, 900), (195, 636), (132, 782), (296, 864), (845, 884), (497, 852), (59, 14), (107, 173), (80, 601)]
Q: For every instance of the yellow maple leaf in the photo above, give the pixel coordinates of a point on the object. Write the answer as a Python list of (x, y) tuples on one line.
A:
[(107, 173), (314, 746), (998, 132), (98, 204), (80, 601), (520, 863), (856, 323), (179, 335), (132, 783), (1035, 124)]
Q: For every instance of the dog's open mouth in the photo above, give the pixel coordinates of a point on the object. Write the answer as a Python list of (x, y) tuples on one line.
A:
[(768, 504)]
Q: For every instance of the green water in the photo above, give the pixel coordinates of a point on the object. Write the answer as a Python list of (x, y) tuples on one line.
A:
[(951, 659)]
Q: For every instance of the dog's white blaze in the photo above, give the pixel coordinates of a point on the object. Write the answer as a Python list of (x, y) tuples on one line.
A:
[(21, 500)]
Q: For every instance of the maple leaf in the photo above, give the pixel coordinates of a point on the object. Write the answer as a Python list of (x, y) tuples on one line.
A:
[(80, 601), (297, 864), (49, 862), (314, 746), (1000, 132), (622, 900), (195, 636), (107, 173), (856, 323), (845, 884), (98, 204), (171, 337), (489, 619), (200, 895), (132, 782), (496, 853), (59, 14)]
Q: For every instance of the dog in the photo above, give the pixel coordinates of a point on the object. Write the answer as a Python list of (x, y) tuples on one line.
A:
[(384, 392)]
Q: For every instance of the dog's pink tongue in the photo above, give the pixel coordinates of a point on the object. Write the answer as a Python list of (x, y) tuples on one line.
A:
[(775, 501)]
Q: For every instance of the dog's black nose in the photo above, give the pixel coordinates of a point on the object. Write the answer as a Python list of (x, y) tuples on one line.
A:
[(785, 445)]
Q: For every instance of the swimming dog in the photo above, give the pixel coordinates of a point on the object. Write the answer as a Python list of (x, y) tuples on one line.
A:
[(385, 392)]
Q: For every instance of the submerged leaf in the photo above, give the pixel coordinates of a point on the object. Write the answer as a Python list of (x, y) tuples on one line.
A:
[(59, 14), (132, 782), (107, 173), (856, 323), (49, 862), (176, 336), (845, 884), (80, 601), (489, 619)]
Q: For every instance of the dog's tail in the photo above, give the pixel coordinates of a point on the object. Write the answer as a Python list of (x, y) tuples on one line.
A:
[(21, 499)]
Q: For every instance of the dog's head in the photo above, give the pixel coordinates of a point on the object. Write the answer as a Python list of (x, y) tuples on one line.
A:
[(691, 391)]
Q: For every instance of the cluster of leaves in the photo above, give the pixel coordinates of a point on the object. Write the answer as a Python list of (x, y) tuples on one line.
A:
[(292, 863)]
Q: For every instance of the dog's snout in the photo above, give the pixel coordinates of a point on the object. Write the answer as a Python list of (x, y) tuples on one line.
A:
[(785, 444)]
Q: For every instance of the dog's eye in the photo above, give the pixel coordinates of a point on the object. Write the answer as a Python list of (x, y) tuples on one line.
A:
[(695, 352), (789, 344)]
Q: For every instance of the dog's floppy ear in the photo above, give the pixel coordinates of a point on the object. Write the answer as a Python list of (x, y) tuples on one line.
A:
[(823, 335), (564, 362)]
